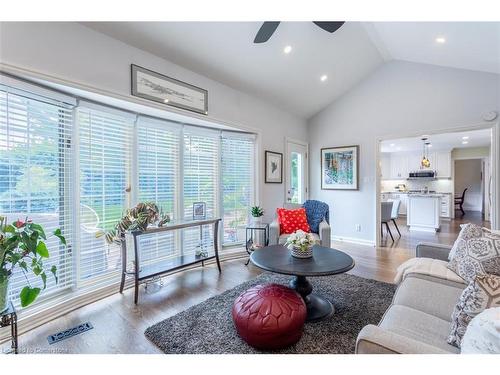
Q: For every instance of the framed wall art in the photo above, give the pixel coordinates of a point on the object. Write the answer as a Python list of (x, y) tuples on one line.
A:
[(199, 211), (339, 168), (273, 167), (159, 88)]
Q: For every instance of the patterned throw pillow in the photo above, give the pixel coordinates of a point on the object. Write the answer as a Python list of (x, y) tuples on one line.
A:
[(480, 295), (475, 252), (292, 220)]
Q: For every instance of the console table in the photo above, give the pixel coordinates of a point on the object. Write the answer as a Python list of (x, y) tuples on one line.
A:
[(146, 272)]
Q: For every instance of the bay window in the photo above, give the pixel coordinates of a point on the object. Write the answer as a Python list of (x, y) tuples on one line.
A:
[(78, 166)]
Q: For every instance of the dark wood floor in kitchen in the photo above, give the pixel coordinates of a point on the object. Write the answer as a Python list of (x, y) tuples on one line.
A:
[(119, 325)]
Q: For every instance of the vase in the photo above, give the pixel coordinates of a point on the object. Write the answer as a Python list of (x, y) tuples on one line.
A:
[(256, 220), (297, 252), (4, 294)]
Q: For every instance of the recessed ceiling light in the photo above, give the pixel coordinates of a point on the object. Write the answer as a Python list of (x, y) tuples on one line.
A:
[(165, 101), (287, 49), (323, 78), (440, 40), (429, 145), (465, 137), (392, 145), (464, 142)]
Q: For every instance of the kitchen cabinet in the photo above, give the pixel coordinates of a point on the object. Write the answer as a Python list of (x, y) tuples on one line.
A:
[(445, 206), (385, 166), (423, 212), (442, 164), (399, 166)]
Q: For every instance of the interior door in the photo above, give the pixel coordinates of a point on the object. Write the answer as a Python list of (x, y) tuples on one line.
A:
[(296, 172)]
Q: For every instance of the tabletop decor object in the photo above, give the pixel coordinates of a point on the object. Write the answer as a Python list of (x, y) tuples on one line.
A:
[(339, 168), (22, 245), (257, 212), (301, 244), (159, 88), (199, 211), (139, 217)]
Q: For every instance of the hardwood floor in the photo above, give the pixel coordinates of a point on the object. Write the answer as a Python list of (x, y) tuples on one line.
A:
[(119, 325)]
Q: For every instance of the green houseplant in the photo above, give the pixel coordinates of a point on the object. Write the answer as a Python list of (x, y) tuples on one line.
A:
[(257, 212), (136, 218), (22, 244)]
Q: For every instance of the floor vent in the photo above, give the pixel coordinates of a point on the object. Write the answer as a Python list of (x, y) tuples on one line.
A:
[(52, 339)]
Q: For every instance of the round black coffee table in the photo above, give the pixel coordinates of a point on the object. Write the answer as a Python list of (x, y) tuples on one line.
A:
[(325, 261)]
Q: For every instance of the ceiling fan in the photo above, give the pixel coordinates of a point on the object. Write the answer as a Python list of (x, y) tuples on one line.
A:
[(268, 28)]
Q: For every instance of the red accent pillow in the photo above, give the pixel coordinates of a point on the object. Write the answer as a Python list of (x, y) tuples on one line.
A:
[(292, 220)]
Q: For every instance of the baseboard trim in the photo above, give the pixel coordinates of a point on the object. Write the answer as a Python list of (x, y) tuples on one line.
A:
[(358, 241)]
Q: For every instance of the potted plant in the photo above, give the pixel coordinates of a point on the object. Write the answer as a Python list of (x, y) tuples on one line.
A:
[(22, 244), (257, 212), (301, 244), (136, 218)]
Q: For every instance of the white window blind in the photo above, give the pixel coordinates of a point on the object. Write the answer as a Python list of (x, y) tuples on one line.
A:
[(158, 144), (237, 184), (35, 171), (105, 139), (201, 180)]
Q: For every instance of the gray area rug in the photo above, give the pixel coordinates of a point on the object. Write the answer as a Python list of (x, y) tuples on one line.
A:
[(207, 328)]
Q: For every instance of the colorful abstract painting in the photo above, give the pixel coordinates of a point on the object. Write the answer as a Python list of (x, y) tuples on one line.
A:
[(339, 168)]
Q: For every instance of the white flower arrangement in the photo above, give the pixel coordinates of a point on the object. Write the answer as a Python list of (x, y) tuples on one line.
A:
[(301, 240)]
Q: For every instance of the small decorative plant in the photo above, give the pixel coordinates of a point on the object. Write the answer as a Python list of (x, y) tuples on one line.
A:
[(137, 218), (300, 243), (257, 211), (22, 245)]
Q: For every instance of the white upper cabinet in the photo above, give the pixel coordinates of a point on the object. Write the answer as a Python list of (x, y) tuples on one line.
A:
[(399, 166), (414, 159), (442, 163), (385, 166)]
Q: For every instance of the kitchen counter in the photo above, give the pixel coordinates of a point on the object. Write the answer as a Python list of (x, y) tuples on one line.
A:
[(424, 212)]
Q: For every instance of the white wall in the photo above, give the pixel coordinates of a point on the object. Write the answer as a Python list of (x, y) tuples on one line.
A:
[(468, 176), (399, 99), (75, 53)]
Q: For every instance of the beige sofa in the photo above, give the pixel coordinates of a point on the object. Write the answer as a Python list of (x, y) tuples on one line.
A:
[(419, 318)]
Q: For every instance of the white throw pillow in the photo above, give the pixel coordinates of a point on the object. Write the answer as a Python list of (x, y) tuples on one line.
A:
[(483, 333)]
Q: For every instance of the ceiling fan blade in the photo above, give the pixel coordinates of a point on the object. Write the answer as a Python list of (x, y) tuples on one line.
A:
[(266, 31), (330, 26)]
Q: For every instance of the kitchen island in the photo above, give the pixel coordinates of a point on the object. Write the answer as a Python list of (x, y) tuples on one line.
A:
[(424, 212)]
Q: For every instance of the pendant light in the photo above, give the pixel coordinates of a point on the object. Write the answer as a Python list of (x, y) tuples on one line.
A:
[(425, 163)]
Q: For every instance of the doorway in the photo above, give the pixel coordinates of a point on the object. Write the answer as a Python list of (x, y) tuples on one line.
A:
[(422, 177), (296, 175)]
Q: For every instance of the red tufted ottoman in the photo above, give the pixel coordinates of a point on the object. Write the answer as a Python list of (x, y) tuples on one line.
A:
[(269, 316)]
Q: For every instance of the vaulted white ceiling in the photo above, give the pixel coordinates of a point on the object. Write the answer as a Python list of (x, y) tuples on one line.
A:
[(224, 51), (466, 45)]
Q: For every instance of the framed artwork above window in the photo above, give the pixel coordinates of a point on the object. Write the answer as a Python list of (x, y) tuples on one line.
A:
[(159, 88)]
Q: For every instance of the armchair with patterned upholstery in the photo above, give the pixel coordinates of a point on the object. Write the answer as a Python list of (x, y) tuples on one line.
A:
[(317, 213)]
